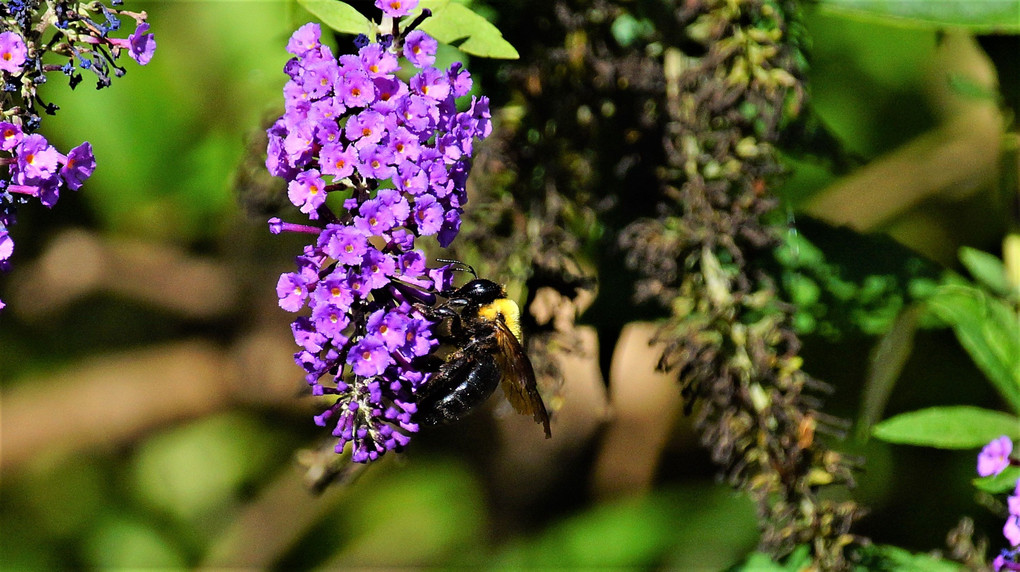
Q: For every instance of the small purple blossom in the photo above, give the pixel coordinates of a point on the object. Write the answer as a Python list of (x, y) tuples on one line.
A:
[(142, 44), (994, 457), (10, 135), (420, 49), (79, 166), (1011, 530), (396, 8), (13, 52), (308, 192)]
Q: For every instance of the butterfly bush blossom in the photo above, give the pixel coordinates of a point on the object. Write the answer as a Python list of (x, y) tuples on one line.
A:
[(78, 33), (393, 159), (993, 459)]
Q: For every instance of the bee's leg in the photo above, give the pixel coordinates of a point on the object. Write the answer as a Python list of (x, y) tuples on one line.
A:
[(446, 315)]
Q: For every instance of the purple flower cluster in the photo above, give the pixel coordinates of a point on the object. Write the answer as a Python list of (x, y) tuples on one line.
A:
[(392, 158), (31, 31), (37, 170), (992, 460)]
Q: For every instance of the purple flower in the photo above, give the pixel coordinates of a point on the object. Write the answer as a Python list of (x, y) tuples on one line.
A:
[(142, 44), (356, 89), (37, 159), (420, 49), (369, 357), (292, 289), (1013, 501), (307, 191), (377, 61), (431, 83), (338, 161), (13, 52), (994, 457), (10, 135), (79, 166), (396, 8), (376, 162), (1011, 530), (428, 215), (365, 128), (304, 40), (6, 245), (397, 154)]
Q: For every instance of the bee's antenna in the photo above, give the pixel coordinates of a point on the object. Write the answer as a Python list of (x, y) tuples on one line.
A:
[(463, 267)]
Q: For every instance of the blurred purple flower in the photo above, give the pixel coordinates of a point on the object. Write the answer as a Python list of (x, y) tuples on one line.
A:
[(994, 457)]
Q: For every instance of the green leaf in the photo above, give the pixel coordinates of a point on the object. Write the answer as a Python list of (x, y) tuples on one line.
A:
[(957, 427), (985, 268), (981, 16), (340, 16), (886, 557), (990, 332), (452, 22), (1003, 482)]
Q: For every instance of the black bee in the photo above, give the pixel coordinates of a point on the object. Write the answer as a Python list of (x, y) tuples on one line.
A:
[(483, 327)]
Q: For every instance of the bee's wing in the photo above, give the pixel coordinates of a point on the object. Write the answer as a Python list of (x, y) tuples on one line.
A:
[(518, 379)]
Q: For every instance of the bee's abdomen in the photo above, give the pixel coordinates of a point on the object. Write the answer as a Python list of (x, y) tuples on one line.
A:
[(457, 389)]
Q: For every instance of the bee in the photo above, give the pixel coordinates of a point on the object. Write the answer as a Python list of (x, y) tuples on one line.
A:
[(483, 327)]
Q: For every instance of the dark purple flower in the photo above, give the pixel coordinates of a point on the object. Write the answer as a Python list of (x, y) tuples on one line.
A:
[(79, 166), (143, 45)]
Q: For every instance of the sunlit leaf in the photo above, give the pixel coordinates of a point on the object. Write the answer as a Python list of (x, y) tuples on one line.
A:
[(985, 268), (983, 16), (452, 22), (990, 332), (340, 16), (958, 427)]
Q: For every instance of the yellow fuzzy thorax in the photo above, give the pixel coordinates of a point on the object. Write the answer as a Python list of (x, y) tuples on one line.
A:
[(506, 309)]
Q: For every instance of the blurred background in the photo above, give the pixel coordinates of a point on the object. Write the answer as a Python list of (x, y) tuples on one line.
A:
[(152, 414)]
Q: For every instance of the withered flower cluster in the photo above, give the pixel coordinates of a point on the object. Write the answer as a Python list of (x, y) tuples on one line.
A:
[(655, 132)]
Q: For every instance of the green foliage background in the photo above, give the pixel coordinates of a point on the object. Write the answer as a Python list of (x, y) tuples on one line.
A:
[(181, 490)]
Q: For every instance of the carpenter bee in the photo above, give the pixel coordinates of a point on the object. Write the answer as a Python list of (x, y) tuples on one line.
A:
[(482, 326)]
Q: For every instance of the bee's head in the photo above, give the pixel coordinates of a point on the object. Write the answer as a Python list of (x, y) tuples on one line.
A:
[(480, 292)]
